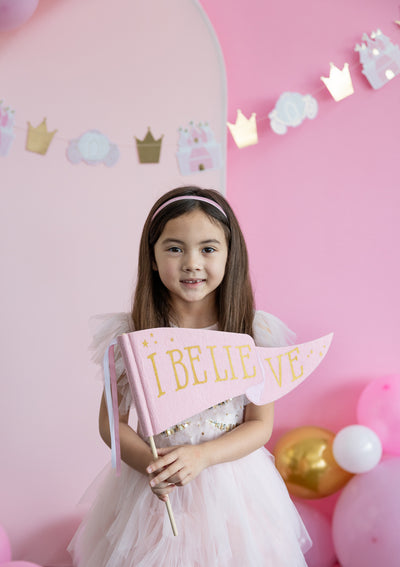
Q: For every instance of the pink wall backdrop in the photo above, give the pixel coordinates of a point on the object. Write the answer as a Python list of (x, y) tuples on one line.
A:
[(319, 205), (69, 234)]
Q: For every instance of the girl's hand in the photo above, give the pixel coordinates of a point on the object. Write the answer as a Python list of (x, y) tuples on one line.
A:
[(162, 489), (178, 465)]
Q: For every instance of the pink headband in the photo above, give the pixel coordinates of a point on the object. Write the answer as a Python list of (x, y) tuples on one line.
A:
[(191, 197)]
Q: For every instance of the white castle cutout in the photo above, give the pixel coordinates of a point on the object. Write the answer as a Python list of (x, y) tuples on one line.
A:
[(197, 149), (6, 128), (379, 57)]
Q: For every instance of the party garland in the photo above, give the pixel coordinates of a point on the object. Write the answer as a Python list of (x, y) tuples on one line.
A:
[(198, 149)]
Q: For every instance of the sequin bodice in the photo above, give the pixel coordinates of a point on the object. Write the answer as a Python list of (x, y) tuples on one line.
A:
[(204, 426)]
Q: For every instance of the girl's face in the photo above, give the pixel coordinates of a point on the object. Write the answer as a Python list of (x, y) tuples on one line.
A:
[(190, 257)]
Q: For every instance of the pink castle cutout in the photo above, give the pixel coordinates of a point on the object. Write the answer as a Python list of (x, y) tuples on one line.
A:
[(197, 149), (380, 58), (6, 129)]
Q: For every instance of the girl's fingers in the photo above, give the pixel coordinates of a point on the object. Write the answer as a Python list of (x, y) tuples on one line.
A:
[(163, 490), (165, 450), (163, 494), (166, 474), (178, 478), (162, 462)]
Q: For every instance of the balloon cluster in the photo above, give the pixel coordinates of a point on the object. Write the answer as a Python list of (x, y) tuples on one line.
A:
[(315, 462), (14, 13), (5, 553)]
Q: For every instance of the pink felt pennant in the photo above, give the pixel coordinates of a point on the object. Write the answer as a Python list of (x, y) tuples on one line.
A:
[(176, 373)]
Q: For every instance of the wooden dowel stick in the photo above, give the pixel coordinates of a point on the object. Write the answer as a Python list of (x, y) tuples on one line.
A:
[(167, 503)]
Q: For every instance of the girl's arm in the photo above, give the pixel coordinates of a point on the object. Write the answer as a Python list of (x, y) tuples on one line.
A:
[(179, 465), (134, 451)]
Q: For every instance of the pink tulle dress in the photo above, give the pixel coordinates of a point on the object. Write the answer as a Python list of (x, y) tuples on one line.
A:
[(236, 514)]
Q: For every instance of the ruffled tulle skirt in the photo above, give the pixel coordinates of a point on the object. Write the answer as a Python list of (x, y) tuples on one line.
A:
[(232, 515)]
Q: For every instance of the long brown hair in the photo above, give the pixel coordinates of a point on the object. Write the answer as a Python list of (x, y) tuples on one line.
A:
[(235, 300)]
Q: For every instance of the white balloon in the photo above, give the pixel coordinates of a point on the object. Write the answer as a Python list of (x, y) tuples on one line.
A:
[(357, 449)]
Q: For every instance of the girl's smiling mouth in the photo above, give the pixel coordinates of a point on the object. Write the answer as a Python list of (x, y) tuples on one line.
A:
[(192, 281)]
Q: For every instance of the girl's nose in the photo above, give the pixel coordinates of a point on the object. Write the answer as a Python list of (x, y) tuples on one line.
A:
[(192, 261)]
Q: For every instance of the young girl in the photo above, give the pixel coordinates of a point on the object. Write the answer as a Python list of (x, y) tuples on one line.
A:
[(231, 506)]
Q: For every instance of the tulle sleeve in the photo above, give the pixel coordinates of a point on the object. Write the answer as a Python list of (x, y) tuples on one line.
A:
[(269, 331), (105, 329)]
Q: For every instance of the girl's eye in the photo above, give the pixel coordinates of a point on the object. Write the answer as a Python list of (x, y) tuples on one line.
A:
[(208, 249), (174, 249)]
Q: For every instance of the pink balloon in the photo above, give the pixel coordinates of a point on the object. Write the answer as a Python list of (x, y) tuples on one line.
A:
[(379, 408), (366, 518), (20, 564), (14, 13), (322, 553), (5, 547)]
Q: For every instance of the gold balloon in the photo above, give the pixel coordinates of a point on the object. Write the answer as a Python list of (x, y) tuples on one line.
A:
[(304, 458)]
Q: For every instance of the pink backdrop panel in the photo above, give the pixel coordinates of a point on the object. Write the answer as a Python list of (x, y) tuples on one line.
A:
[(319, 206), (70, 233)]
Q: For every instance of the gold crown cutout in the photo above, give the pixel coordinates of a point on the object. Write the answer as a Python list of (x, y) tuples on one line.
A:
[(39, 138), (244, 132), (339, 82), (149, 148)]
